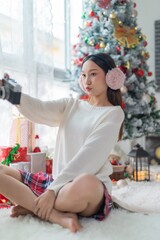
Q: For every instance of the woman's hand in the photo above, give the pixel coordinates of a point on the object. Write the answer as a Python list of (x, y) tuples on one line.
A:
[(44, 204)]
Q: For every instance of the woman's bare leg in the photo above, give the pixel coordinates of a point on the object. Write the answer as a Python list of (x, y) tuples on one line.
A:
[(19, 193), (84, 195)]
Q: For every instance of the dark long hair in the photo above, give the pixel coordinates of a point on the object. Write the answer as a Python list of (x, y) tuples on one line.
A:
[(106, 63)]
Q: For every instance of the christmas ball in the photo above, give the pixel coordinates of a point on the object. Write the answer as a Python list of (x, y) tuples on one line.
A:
[(102, 45), (140, 72), (103, 3), (112, 15), (91, 14), (123, 90), (150, 74)]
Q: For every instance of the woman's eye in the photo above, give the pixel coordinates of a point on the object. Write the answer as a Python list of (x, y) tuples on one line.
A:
[(93, 74), (83, 75)]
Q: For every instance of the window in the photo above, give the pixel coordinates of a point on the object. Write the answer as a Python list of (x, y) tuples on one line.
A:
[(36, 40)]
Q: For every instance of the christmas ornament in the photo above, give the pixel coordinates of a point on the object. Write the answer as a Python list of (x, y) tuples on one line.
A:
[(123, 89), (112, 15), (102, 45), (127, 65), (140, 72), (123, 106), (150, 74), (103, 3), (91, 14), (125, 35), (145, 43)]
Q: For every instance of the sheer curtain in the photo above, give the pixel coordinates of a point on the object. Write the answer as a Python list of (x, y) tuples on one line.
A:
[(26, 53)]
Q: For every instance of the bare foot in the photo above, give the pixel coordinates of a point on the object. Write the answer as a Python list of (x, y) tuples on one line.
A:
[(67, 220), (19, 210)]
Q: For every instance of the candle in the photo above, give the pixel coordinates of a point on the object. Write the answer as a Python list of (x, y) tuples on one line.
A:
[(140, 175)]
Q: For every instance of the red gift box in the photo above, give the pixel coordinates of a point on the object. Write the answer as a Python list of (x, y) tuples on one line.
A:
[(20, 156), (4, 202), (49, 166)]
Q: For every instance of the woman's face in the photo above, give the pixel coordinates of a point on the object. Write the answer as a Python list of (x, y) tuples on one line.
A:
[(93, 79)]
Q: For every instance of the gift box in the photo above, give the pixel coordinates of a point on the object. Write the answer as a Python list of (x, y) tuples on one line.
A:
[(37, 161), (4, 202), (15, 154), (22, 131)]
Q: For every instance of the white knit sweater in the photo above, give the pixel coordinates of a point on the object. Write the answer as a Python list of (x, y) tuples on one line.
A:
[(85, 137)]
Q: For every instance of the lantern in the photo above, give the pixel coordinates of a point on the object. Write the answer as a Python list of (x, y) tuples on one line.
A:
[(139, 160)]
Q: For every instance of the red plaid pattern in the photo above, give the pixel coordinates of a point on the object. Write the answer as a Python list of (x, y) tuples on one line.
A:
[(38, 182)]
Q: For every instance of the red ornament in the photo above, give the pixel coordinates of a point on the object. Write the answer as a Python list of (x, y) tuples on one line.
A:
[(134, 70), (97, 46), (89, 24), (91, 14), (123, 105), (118, 48), (103, 3), (150, 74), (134, 5), (145, 43), (97, 17), (140, 73), (123, 69)]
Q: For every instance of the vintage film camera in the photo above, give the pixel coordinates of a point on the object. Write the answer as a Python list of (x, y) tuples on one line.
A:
[(10, 90)]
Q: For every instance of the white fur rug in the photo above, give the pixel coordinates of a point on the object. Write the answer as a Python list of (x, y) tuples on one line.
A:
[(137, 196), (120, 225)]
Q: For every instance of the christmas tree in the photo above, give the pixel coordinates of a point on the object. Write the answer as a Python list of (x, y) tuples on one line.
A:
[(110, 26)]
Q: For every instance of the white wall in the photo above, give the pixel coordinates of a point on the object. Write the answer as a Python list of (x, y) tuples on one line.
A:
[(148, 12)]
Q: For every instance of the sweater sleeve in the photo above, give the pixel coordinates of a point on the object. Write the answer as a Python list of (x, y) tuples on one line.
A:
[(93, 154), (42, 112)]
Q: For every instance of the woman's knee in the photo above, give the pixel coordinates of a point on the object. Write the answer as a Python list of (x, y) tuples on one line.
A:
[(88, 183)]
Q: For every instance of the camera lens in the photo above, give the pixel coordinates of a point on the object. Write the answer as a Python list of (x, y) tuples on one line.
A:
[(2, 92)]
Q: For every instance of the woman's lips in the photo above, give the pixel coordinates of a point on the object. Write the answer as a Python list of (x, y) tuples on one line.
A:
[(88, 88)]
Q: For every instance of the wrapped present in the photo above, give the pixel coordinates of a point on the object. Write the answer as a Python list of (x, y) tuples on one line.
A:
[(49, 166), (23, 132), (13, 154), (38, 162), (4, 202)]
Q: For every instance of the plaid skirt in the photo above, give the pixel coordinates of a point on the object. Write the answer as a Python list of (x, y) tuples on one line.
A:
[(38, 182)]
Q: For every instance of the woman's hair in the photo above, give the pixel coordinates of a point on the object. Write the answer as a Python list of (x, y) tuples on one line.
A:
[(106, 63)]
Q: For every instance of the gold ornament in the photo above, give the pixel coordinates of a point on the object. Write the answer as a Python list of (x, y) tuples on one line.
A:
[(112, 15), (102, 45), (91, 43), (127, 65), (157, 152)]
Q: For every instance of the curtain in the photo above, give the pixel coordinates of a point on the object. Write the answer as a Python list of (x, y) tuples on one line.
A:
[(26, 53)]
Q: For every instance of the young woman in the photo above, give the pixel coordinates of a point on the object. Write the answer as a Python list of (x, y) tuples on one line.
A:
[(88, 130)]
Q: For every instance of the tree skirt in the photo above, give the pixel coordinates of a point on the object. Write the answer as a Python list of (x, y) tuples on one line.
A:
[(137, 196)]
